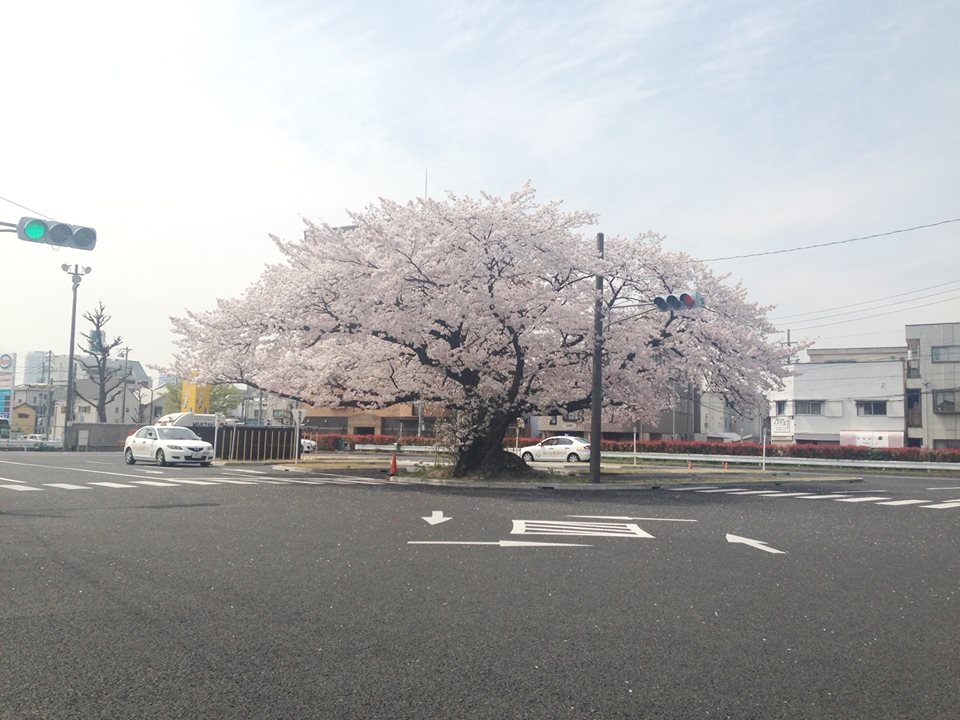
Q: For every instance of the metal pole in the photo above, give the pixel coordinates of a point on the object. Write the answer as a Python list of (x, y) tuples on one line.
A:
[(68, 416), (77, 274), (126, 375), (596, 428)]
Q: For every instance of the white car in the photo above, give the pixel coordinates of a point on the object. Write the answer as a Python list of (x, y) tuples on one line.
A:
[(562, 448), (167, 444), (307, 445)]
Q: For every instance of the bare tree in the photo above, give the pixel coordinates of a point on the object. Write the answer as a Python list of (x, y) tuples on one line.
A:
[(109, 382)]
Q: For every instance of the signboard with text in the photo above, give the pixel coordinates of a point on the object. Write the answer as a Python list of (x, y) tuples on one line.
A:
[(8, 369)]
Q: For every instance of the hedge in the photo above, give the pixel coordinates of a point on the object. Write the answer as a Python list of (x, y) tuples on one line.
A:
[(331, 442)]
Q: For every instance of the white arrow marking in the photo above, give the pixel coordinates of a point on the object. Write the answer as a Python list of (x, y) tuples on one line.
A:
[(437, 517), (758, 544), (500, 543)]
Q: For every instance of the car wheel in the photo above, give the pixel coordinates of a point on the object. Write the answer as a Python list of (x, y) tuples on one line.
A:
[(161, 458), (128, 457), (527, 457), (573, 457)]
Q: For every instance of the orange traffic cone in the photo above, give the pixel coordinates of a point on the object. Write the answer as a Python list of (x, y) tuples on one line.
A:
[(393, 465)]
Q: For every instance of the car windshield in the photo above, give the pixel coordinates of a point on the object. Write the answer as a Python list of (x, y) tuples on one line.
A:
[(176, 433)]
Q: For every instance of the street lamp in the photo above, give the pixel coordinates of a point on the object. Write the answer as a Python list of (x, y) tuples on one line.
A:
[(77, 273)]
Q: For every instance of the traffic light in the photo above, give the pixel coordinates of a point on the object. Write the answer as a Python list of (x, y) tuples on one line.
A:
[(688, 300), (51, 232)]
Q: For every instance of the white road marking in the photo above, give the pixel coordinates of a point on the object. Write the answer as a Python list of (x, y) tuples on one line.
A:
[(942, 506), (868, 498), (154, 483), (694, 489), (553, 527), (68, 486), (189, 482), (625, 517), (436, 517), (20, 487), (752, 492), (903, 502), (758, 544), (499, 543), (3, 479), (242, 470), (790, 494), (823, 497), (721, 490), (112, 485)]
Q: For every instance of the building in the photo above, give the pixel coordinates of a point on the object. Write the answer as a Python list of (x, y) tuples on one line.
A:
[(933, 385), (850, 396)]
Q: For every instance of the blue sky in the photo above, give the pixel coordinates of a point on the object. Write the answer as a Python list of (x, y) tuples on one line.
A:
[(188, 132)]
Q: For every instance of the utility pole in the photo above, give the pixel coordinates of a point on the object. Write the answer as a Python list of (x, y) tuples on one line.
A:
[(126, 374), (77, 273), (596, 427)]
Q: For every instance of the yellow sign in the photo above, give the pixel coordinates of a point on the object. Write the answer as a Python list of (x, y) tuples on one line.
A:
[(195, 398)]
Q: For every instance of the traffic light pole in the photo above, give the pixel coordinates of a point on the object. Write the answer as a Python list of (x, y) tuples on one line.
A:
[(77, 274), (596, 429)]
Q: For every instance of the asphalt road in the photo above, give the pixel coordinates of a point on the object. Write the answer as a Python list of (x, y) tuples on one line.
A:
[(244, 592)]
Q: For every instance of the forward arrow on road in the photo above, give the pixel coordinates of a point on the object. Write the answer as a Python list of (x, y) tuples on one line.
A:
[(436, 517), (758, 544)]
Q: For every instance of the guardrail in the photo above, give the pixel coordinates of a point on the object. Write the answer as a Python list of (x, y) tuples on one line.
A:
[(19, 444), (809, 462), (403, 448)]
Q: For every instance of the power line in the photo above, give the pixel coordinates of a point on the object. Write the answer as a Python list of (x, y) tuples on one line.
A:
[(868, 317), (24, 207), (780, 318), (835, 242)]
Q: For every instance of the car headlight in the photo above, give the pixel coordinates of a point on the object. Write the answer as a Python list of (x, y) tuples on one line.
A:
[(175, 447)]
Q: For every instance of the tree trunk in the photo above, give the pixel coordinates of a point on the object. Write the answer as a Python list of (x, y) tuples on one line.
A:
[(484, 454)]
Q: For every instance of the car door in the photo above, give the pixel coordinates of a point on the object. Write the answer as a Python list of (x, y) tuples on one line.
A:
[(550, 449), (144, 443)]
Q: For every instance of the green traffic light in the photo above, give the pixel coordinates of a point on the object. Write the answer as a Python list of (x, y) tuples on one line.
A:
[(35, 229)]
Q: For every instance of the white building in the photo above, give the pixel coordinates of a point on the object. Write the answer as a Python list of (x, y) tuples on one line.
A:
[(841, 402), (933, 385)]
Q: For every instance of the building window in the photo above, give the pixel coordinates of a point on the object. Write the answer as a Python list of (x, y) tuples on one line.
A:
[(781, 407), (554, 419), (871, 407), (808, 407), (945, 353), (575, 416), (945, 401)]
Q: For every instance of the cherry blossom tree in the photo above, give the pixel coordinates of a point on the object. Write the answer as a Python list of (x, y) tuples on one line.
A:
[(483, 307)]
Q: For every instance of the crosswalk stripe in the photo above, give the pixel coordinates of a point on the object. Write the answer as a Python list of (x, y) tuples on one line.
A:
[(903, 502), (722, 490), (19, 487), (862, 499), (790, 494), (941, 506), (67, 486), (154, 483), (822, 497), (112, 485), (191, 482)]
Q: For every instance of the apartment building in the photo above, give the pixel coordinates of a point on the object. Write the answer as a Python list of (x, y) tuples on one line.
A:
[(933, 385), (849, 396)]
